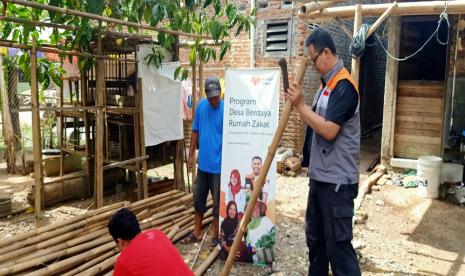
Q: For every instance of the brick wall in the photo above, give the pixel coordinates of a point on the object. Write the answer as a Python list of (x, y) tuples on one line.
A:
[(239, 57)]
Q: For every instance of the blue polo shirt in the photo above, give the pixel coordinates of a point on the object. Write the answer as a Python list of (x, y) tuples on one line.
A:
[(208, 123)]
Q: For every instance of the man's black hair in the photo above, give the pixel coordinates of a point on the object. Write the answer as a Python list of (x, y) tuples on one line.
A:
[(123, 225), (257, 157), (320, 38)]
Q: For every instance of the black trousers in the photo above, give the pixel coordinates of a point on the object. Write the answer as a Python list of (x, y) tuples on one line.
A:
[(328, 229)]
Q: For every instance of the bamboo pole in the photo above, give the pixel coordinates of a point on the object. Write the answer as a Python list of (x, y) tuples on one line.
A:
[(60, 239), (36, 144), (101, 267), (403, 8), (46, 247), (194, 106), (125, 162), (60, 266), (22, 236), (87, 247), (91, 263), (101, 18), (200, 248), (182, 233), (65, 178), (355, 71), (201, 83), (97, 216), (318, 5), (100, 92), (69, 27), (57, 51), (140, 98), (172, 232), (7, 125), (381, 19), (207, 263), (90, 249), (262, 176)]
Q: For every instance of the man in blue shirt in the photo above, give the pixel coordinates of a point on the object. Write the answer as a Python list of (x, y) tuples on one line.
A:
[(207, 134)]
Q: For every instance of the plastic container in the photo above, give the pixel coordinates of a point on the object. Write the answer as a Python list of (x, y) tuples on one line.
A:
[(429, 168)]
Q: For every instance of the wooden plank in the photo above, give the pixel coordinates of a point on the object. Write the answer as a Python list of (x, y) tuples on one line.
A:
[(418, 125), (418, 132), (421, 94), (413, 151), (437, 110), (422, 116), (420, 101), (36, 139), (421, 83), (417, 139)]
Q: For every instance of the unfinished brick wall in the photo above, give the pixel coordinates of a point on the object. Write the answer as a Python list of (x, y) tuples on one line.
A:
[(239, 57)]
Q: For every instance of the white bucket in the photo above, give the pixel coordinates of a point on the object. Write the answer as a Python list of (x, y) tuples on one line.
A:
[(429, 168)]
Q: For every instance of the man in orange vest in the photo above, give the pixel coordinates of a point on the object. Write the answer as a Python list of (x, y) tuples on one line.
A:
[(334, 159)]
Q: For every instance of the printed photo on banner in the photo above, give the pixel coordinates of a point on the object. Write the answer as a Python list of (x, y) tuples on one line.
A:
[(250, 120)]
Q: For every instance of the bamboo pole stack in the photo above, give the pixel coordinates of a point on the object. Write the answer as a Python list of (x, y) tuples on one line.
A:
[(83, 245)]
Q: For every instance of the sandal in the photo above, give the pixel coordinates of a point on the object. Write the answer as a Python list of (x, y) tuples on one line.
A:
[(191, 238)]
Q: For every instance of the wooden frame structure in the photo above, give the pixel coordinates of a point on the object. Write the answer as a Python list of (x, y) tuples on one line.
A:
[(92, 114)]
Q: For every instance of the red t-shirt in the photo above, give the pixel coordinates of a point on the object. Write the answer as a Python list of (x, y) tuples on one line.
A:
[(151, 253)]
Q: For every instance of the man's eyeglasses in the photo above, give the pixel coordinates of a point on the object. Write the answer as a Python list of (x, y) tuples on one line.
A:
[(313, 61)]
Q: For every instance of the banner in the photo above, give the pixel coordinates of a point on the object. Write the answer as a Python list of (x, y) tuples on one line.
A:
[(251, 110), (162, 100)]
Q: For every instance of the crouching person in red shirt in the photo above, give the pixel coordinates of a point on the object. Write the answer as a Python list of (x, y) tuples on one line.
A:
[(147, 253)]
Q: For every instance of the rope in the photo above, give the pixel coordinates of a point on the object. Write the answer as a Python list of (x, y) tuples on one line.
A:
[(357, 46)]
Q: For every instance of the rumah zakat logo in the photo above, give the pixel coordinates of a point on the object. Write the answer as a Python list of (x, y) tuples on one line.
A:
[(256, 81)]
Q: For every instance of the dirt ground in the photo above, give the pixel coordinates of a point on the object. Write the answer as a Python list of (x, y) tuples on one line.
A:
[(403, 234)]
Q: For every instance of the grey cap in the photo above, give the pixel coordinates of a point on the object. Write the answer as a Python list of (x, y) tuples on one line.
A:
[(212, 87)]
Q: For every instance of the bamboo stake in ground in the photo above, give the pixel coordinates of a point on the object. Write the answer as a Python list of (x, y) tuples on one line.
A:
[(266, 167), (206, 264), (200, 247)]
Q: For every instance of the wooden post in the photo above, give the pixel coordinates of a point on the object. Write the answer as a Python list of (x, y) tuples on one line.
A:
[(194, 106), (99, 126), (36, 144), (355, 72), (390, 88), (179, 166), (140, 98)]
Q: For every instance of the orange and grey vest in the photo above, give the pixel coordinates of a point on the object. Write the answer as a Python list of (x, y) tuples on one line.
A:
[(336, 161)]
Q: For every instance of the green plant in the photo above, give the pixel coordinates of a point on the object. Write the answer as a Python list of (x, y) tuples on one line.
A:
[(204, 17)]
